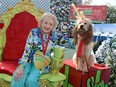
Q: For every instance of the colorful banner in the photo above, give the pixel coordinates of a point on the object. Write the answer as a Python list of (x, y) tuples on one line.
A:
[(96, 13)]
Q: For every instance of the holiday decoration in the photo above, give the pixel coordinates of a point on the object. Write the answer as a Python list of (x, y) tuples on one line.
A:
[(61, 9), (54, 78), (111, 61), (40, 60), (102, 51), (16, 28), (98, 76)]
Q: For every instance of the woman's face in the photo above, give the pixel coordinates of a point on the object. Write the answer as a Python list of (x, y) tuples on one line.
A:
[(47, 25)]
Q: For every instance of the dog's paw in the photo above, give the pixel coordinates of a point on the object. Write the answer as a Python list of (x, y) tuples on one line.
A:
[(84, 70), (76, 68), (79, 68)]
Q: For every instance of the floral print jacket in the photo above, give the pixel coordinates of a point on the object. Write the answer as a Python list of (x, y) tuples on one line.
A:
[(34, 43)]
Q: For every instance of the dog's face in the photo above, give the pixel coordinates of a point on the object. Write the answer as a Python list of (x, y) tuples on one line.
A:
[(83, 26), (83, 29)]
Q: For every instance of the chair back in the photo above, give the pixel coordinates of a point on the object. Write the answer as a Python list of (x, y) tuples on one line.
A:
[(18, 22)]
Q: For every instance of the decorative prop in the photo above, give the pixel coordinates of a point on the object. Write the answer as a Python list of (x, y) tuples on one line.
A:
[(102, 51), (54, 78), (111, 62), (13, 45), (79, 15), (40, 60), (61, 10), (98, 76)]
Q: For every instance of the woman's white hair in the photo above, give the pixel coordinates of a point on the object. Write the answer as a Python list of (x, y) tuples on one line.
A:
[(49, 15)]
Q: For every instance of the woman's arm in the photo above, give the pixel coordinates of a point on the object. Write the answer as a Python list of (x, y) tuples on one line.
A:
[(27, 52)]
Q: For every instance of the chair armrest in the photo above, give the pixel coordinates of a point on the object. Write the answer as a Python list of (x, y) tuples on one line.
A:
[(2, 43), (57, 60)]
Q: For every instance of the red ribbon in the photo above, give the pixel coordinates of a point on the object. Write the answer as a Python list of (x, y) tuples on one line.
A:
[(79, 51), (44, 48)]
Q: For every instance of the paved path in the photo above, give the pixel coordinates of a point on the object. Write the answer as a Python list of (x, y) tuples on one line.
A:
[(68, 53)]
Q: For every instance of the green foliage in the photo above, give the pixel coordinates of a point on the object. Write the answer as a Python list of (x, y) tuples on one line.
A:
[(111, 61), (111, 14)]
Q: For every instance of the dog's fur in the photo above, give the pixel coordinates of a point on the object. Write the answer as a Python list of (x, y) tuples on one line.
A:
[(81, 63)]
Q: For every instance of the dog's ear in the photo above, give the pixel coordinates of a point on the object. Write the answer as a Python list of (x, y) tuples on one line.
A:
[(75, 34), (89, 35), (74, 31)]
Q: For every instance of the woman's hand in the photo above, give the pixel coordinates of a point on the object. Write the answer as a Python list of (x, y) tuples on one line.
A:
[(19, 73)]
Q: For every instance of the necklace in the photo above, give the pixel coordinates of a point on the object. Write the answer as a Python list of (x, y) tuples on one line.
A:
[(44, 47)]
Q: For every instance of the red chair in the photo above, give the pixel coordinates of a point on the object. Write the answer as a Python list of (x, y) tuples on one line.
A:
[(17, 23)]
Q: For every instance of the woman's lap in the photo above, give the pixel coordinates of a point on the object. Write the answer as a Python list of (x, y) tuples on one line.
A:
[(30, 78)]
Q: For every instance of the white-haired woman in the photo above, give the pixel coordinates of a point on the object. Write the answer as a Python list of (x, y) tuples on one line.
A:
[(38, 39)]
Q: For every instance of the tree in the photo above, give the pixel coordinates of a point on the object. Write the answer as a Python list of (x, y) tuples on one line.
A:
[(61, 8), (111, 62), (111, 14), (102, 51)]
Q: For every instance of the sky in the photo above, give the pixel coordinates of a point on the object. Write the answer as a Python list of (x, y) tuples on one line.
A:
[(104, 2)]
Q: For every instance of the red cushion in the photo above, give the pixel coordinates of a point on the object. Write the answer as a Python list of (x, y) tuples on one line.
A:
[(16, 35), (1, 25), (8, 67)]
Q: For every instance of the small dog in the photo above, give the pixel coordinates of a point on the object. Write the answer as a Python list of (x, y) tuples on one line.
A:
[(83, 58)]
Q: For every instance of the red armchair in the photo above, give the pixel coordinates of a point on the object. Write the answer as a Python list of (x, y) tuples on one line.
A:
[(17, 23)]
